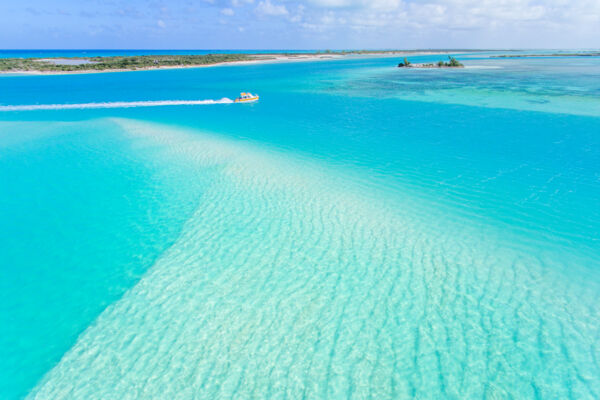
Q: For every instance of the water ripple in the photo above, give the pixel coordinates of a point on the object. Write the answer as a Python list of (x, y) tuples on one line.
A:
[(286, 285)]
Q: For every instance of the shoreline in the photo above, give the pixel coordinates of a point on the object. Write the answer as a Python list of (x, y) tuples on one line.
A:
[(258, 59)]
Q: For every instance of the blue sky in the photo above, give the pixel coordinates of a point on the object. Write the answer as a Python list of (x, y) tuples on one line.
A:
[(299, 24)]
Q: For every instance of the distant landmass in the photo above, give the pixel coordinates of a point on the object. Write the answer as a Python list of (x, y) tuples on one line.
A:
[(145, 62), (589, 54)]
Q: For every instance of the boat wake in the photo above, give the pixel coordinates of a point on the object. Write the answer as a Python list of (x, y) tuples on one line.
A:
[(115, 104)]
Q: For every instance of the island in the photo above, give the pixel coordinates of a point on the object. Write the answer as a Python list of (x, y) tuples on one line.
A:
[(452, 63), (582, 54), (60, 65), (117, 63)]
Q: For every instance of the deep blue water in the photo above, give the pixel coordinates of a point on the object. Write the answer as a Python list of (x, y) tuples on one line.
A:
[(360, 231)]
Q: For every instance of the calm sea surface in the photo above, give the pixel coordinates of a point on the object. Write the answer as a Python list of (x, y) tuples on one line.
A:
[(362, 231)]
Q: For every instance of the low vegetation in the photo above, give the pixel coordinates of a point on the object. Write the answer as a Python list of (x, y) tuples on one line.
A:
[(406, 63), (452, 63), (119, 63), (156, 61)]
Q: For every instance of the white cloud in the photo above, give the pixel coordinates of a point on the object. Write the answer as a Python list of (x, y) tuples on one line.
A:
[(265, 7), (358, 4), (227, 11), (451, 14), (298, 14), (239, 3), (446, 23), (161, 23)]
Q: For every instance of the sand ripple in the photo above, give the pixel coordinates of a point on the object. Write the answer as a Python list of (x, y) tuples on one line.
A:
[(288, 282)]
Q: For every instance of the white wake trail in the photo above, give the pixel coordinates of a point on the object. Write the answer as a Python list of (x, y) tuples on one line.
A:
[(115, 104)]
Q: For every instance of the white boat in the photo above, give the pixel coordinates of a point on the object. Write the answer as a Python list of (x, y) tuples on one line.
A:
[(246, 98)]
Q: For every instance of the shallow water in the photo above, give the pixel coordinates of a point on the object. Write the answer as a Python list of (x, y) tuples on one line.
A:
[(357, 233)]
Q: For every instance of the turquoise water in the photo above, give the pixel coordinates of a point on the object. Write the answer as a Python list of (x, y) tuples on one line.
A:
[(362, 231)]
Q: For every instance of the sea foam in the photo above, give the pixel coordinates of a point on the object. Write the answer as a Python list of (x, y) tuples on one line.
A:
[(114, 104)]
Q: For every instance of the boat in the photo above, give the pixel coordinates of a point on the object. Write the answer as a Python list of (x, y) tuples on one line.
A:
[(246, 98)]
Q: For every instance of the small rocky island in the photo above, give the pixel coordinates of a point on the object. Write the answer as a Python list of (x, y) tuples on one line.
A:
[(452, 63)]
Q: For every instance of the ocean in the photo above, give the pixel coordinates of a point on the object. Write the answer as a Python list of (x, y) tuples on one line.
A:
[(362, 231)]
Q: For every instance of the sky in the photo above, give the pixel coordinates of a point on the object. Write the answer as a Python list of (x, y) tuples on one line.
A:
[(299, 24)]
